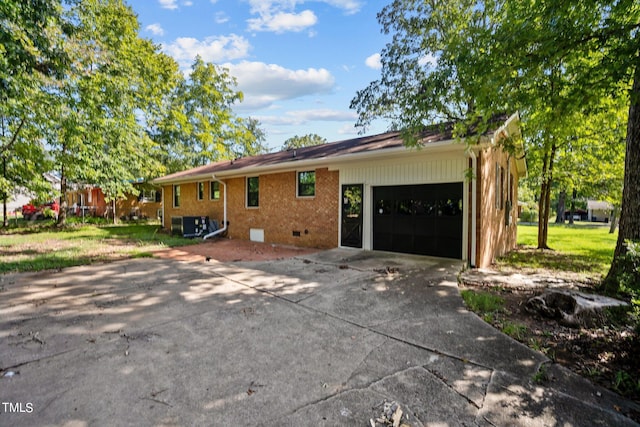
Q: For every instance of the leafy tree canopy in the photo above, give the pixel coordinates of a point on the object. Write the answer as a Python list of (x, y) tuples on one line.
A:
[(303, 141)]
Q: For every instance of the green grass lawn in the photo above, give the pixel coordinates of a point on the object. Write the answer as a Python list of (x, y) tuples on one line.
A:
[(41, 246), (582, 248)]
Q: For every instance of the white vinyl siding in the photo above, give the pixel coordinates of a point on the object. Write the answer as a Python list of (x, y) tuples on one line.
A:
[(422, 168)]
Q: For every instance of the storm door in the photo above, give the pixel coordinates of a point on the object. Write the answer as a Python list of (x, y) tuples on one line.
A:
[(352, 215)]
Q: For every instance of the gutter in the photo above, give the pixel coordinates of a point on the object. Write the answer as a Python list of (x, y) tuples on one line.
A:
[(224, 220)]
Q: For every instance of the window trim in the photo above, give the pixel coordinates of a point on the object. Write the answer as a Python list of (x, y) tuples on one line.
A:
[(247, 205), (212, 185), (176, 195), (298, 174)]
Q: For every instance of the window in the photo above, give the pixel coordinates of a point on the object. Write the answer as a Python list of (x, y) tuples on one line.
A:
[(149, 196), (200, 190), (214, 190), (176, 196), (253, 187), (306, 184)]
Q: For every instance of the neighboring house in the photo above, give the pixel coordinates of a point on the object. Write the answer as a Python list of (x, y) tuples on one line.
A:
[(90, 201), (599, 211), (147, 204), (371, 193), (85, 200)]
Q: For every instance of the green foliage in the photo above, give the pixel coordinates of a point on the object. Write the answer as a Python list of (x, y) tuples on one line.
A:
[(541, 375), (303, 141), (625, 384), (199, 125), (514, 330), (482, 302)]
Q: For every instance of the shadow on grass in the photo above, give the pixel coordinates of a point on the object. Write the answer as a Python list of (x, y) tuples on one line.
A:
[(84, 245), (596, 261)]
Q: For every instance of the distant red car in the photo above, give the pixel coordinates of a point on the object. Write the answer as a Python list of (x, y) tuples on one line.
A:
[(30, 211)]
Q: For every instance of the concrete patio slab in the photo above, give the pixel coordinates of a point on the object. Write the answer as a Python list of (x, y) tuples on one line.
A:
[(324, 338)]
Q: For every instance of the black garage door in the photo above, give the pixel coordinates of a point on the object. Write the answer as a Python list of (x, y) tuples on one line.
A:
[(419, 219)]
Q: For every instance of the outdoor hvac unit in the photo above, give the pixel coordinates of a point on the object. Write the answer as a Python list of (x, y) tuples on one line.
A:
[(194, 226), (176, 225)]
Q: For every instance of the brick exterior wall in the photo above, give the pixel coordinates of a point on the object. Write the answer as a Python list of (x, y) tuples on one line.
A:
[(494, 236), (143, 209), (280, 212)]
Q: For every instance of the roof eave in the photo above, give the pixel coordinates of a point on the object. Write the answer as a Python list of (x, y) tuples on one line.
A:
[(327, 161)]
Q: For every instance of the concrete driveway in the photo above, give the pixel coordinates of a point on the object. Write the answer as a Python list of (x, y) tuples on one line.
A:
[(321, 339)]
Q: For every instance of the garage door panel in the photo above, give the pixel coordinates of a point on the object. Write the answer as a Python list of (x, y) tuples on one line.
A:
[(422, 219)]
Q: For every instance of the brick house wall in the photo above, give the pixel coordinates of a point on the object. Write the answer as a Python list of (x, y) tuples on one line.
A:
[(143, 209), (284, 217), (496, 189)]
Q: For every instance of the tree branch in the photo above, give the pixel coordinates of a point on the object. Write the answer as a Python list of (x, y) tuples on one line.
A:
[(14, 136)]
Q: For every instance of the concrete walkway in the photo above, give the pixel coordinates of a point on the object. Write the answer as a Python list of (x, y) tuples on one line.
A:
[(322, 339)]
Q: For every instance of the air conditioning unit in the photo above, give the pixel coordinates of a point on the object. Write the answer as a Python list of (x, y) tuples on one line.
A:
[(194, 226)]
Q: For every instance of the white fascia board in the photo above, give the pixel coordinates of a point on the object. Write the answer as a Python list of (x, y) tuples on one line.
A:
[(332, 162)]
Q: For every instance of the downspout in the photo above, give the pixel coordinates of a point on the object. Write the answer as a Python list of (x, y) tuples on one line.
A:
[(224, 204), (474, 206), (162, 204)]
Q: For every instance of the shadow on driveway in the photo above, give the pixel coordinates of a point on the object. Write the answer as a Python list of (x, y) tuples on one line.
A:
[(320, 339)]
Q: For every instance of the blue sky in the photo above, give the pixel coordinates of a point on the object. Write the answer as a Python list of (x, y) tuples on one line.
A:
[(298, 62)]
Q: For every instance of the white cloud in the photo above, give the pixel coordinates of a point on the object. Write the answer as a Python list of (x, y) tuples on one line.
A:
[(280, 15), (173, 4), (349, 6), (350, 129), (373, 61), (263, 84), (155, 29), (220, 18), (325, 115), (428, 59), (301, 117), (211, 49), (168, 4), (283, 21)]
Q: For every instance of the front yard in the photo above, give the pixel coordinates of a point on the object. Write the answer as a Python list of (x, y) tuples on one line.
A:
[(42, 246)]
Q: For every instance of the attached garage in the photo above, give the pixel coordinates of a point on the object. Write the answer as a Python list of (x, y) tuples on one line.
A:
[(419, 219)]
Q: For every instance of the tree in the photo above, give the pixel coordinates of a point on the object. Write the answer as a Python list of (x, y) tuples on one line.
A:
[(597, 43), (303, 141), (28, 55), (98, 137), (200, 126)]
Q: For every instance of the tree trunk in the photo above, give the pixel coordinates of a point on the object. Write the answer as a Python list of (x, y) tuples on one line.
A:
[(629, 228), (562, 197), (62, 216), (545, 198), (614, 220), (5, 196), (572, 209)]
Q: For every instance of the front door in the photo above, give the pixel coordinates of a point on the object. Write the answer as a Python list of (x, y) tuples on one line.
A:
[(352, 215)]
